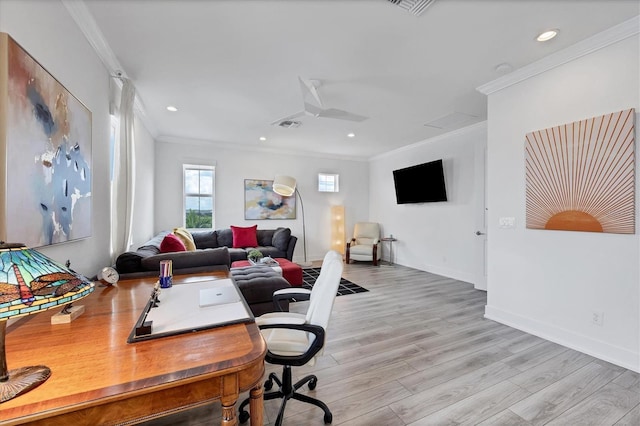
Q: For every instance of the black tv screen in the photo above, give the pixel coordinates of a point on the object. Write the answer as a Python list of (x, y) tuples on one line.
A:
[(422, 183)]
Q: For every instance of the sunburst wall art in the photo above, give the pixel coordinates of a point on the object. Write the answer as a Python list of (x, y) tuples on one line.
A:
[(580, 176)]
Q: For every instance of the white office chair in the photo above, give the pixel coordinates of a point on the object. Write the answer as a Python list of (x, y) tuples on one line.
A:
[(297, 339), (365, 244)]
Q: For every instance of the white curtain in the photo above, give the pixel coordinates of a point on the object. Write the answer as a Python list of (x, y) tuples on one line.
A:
[(123, 174)]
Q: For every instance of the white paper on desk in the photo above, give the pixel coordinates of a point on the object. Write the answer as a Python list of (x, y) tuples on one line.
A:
[(179, 307)]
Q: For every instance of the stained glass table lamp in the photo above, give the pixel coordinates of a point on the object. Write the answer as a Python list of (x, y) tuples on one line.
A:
[(30, 283)]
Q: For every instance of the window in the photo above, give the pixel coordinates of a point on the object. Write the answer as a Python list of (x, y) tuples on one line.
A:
[(198, 196), (328, 182)]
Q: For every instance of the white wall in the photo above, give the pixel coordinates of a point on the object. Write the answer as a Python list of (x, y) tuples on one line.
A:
[(435, 237), (233, 166), (548, 283), (49, 34)]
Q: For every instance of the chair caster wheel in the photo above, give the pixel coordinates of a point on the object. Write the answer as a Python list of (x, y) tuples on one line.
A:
[(244, 416), (312, 384), (328, 418), (268, 385)]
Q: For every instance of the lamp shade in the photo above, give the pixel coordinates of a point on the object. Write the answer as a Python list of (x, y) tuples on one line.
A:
[(284, 185), (337, 229), (30, 283)]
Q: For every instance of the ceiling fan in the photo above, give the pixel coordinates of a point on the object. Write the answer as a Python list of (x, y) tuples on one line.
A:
[(313, 106)]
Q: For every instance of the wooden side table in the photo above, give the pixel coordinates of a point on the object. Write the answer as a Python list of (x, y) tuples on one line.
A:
[(390, 239)]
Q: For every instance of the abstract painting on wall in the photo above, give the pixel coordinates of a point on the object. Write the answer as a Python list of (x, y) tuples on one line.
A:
[(45, 140), (260, 202), (580, 176)]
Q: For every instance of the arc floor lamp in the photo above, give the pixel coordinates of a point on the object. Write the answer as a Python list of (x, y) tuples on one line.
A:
[(286, 187)]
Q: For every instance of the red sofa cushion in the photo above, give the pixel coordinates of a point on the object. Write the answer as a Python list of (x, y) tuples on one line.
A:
[(244, 236), (171, 243)]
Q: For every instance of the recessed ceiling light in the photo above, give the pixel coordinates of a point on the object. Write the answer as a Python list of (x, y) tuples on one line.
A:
[(547, 35), (262, 138), (351, 135), (504, 68), (172, 108)]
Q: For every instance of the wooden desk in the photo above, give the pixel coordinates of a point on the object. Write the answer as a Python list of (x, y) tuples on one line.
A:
[(99, 379)]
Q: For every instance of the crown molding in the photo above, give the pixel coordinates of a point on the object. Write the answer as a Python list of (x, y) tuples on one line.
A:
[(83, 18), (254, 149), (598, 41)]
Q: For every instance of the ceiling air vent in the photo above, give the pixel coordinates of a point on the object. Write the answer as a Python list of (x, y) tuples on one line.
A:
[(452, 120), (415, 7), (289, 124)]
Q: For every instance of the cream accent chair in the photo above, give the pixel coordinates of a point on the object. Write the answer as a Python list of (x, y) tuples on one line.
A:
[(365, 244), (295, 339)]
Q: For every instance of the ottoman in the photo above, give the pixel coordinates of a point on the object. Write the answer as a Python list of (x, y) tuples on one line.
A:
[(257, 284), (291, 272)]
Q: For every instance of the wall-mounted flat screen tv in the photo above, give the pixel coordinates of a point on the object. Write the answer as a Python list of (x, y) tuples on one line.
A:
[(422, 183)]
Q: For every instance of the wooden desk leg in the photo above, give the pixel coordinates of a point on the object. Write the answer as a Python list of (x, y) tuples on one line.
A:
[(229, 417), (256, 404), (228, 400)]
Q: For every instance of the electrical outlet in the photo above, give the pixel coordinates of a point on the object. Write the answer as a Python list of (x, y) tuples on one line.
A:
[(597, 317)]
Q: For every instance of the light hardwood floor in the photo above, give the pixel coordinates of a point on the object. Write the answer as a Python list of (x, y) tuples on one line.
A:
[(416, 350)]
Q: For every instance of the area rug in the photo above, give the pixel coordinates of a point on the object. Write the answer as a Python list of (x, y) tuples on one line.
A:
[(310, 275)]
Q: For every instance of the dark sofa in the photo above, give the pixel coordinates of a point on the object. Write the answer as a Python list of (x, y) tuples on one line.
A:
[(214, 251)]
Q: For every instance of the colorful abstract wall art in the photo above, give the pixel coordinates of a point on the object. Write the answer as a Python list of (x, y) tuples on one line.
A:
[(45, 140), (260, 202), (580, 176)]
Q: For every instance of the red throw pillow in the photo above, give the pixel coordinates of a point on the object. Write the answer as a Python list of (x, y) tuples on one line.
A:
[(244, 237), (171, 243)]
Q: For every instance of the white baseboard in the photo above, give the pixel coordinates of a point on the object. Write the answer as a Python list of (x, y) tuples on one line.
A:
[(446, 272), (585, 344)]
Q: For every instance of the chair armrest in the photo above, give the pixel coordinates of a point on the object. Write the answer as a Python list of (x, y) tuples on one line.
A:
[(297, 294), (297, 360), (293, 292)]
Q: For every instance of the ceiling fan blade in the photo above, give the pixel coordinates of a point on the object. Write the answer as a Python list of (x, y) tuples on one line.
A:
[(309, 93), (312, 110), (289, 117), (313, 105), (340, 115)]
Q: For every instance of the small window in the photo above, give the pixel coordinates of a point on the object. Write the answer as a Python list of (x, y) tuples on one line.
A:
[(328, 182), (198, 196)]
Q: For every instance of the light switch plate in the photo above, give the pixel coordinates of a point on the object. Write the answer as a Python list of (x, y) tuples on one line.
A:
[(507, 222)]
